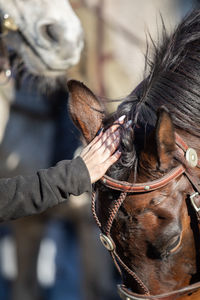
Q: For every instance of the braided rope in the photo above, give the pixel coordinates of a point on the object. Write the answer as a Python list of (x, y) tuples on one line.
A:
[(114, 211), (93, 207), (133, 274), (117, 260)]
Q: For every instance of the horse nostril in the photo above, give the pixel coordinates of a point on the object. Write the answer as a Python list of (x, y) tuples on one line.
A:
[(51, 32), (59, 40)]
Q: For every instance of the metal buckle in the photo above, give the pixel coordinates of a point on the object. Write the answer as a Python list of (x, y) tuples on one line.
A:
[(193, 203)]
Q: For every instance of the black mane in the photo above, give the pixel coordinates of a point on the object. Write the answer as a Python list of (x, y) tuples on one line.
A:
[(173, 81)]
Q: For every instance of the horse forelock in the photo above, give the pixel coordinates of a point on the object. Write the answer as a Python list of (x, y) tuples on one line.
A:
[(173, 81)]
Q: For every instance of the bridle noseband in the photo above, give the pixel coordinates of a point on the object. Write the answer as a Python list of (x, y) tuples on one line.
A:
[(191, 158)]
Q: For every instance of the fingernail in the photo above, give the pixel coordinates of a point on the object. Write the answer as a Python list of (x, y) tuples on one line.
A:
[(118, 152), (128, 123), (99, 131), (122, 118)]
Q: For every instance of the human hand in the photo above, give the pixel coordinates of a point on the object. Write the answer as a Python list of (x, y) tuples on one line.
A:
[(101, 153)]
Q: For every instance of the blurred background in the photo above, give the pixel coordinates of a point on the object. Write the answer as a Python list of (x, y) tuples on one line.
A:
[(57, 255)]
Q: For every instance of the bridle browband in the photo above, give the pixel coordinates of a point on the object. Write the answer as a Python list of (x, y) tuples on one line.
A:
[(192, 161), (123, 186), (128, 187)]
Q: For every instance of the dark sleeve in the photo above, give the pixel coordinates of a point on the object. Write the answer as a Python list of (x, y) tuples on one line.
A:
[(22, 196)]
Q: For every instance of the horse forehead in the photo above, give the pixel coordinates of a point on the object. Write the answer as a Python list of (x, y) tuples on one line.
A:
[(168, 198)]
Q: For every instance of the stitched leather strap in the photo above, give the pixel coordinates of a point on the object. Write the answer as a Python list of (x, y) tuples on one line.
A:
[(142, 187)]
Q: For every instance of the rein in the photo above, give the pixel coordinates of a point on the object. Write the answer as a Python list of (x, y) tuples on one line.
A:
[(192, 160)]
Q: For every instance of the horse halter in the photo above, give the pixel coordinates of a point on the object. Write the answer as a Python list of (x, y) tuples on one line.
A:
[(124, 187)]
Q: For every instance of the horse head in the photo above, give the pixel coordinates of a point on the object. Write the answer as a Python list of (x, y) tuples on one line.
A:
[(147, 205), (46, 34)]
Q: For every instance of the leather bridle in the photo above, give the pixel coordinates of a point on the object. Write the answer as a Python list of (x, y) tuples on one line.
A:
[(192, 161)]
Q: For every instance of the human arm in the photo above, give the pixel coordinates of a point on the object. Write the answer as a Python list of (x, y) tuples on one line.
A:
[(22, 196), (27, 195)]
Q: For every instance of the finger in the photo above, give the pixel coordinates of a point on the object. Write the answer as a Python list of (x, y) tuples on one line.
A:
[(110, 147), (113, 140), (92, 144), (110, 133), (109, 137), (121, 119), (104, 141), (100, 131), (128, 124), (97, 137), (105, 135), (105, 166), (114, 127), (111, 160)]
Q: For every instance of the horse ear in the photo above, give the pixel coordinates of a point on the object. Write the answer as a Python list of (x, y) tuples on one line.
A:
[(85, 109), (165, 138)]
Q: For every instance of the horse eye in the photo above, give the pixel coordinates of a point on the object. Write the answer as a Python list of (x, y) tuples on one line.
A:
[(174, 244)]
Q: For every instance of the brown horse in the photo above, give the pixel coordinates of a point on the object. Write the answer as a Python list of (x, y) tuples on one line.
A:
[(147, 206)]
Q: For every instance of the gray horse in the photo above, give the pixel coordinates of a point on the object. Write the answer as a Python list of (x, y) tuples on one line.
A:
[(50, 36), (48, 39)]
